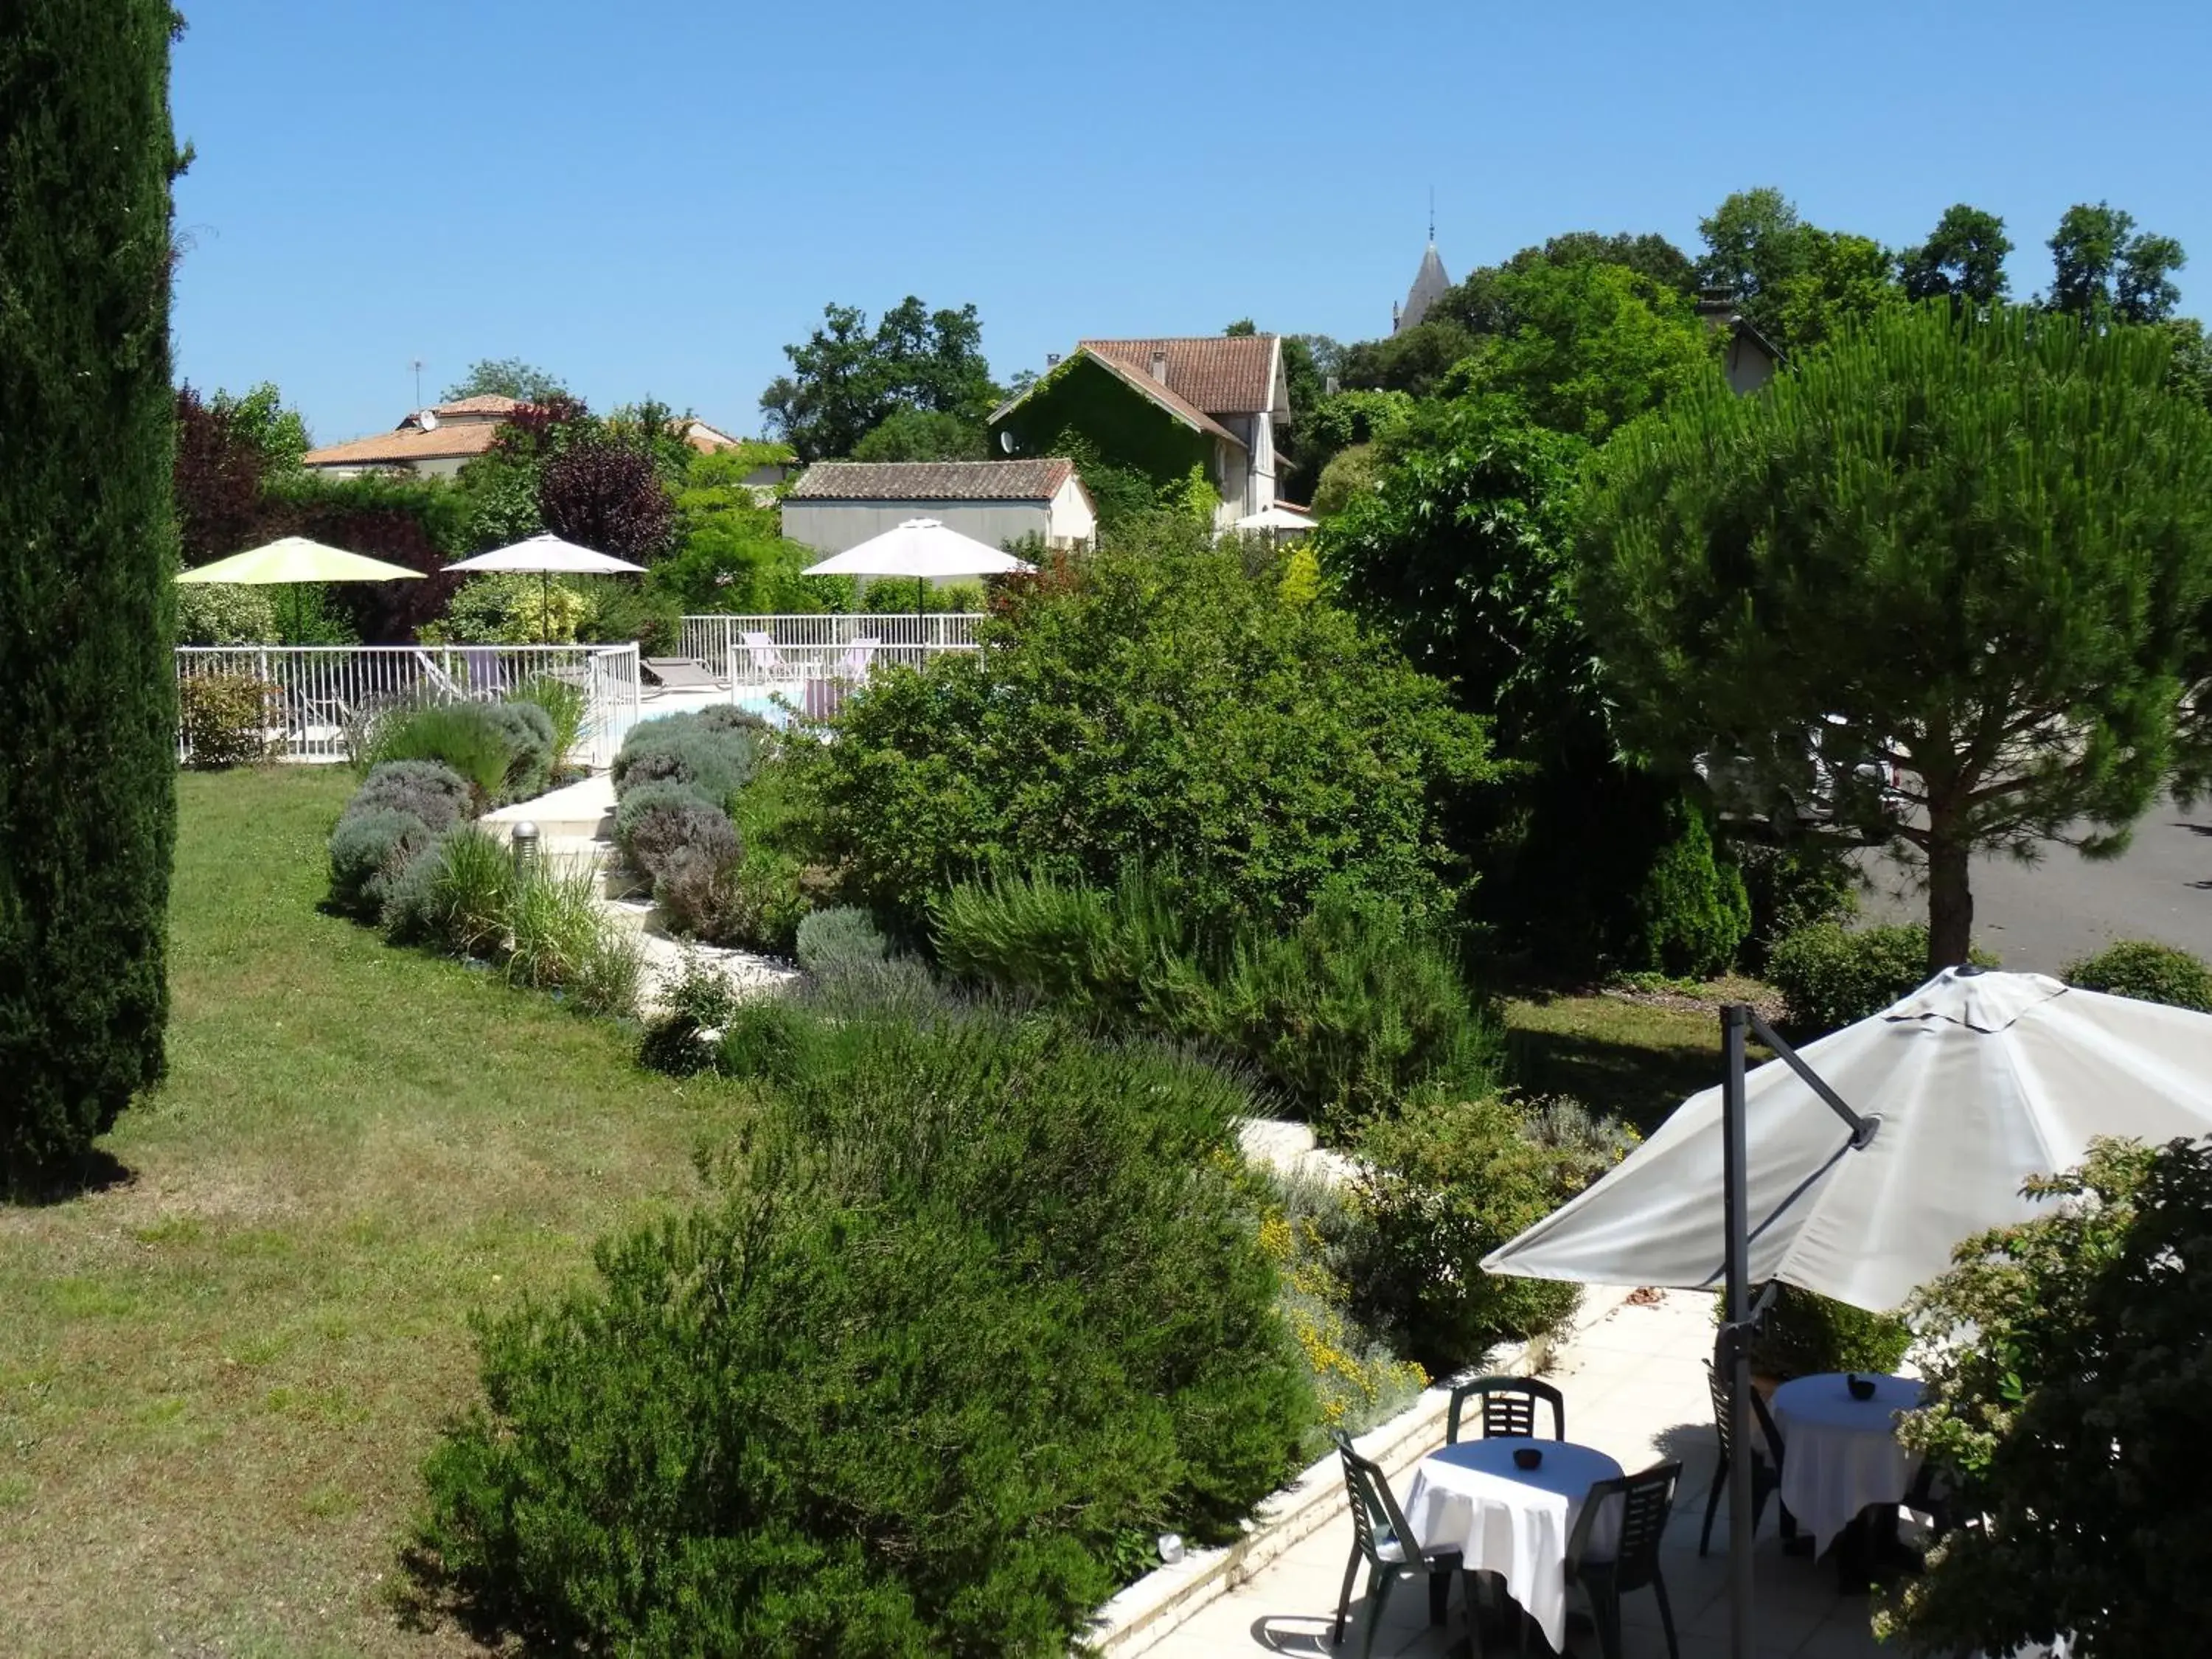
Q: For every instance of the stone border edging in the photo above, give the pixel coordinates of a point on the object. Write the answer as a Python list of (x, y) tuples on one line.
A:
[(1145, 1613)]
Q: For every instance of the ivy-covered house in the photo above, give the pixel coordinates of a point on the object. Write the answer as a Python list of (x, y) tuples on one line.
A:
[(1195, 417)]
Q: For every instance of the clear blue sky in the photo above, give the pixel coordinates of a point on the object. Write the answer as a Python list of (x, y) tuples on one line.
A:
[(652, 198)]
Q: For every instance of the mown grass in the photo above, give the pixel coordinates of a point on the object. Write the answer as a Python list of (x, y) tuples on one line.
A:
[(1633, 1058), (218, 1375)]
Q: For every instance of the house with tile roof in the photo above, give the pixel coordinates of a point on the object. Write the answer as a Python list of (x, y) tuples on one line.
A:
[(835, 505), (438, 441), (1166, 407), (431, 443)]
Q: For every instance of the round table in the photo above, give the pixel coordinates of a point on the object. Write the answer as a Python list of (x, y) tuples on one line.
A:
[(1840, 1454), (1513, 1522)]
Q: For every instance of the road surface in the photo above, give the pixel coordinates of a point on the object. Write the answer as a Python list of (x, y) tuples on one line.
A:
[(2044, 915)]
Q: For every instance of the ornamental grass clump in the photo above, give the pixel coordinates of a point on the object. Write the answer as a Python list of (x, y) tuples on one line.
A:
[(975, 1310)]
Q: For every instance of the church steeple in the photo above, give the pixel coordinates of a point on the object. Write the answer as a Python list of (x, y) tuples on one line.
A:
[(1430, 283)]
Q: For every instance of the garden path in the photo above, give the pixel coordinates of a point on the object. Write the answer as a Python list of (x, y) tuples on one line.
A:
[(1635, 1386)]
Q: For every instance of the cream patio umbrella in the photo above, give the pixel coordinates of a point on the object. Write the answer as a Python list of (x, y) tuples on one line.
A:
[(921, 549), (1278, 519), (291, 560), (548, 556), (1854, 1169)]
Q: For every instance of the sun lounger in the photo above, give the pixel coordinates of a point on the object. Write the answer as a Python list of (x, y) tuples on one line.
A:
[(767, 661), (679, 674)]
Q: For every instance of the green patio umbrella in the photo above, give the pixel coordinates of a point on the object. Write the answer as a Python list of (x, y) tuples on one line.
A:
[(292, 560)]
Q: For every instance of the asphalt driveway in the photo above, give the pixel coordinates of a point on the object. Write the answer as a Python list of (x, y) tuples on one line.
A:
[(2064, 907)]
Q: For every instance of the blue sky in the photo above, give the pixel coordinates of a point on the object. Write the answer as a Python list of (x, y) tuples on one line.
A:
[(653, 198)]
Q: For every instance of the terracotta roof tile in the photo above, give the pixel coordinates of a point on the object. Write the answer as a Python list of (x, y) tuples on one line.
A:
[(1219, 373), (488, 403), (932, 481), (408, 445)]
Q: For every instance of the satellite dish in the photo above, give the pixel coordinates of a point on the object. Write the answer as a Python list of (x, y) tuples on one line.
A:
[(1006, 441), (427, 421)]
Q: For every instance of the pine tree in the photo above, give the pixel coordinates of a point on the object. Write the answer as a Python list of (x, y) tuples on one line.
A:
[(87, 763)]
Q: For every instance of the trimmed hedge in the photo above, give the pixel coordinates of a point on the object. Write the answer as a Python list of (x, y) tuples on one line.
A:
[(1831, 977), (2148, 971)]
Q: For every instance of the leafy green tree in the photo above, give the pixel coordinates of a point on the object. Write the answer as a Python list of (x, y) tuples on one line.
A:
[(1161, 701), (1963, 256), (1477, 303), (925, 434), (506, 377), (729, 554), (2071, 1402), (260, 416), (2102, 265), (1979, 546), (87, 551), (1415, 360), (1590, 345), (1461, 552), (1793, 281), (847, 379)]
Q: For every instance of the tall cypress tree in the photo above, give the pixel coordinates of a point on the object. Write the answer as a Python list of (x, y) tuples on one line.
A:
[(88, 766)]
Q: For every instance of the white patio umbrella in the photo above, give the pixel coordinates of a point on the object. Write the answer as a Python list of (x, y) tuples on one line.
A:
[(922, 549), (1976, 1081), (548, 557), (1854, 1169), (290, 561), (1278, 519)]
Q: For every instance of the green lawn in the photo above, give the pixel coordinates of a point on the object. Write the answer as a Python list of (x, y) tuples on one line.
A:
[(1635, 1058), (217, 1376)]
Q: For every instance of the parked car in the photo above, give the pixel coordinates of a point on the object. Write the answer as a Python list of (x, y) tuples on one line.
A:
[(1802, 792)]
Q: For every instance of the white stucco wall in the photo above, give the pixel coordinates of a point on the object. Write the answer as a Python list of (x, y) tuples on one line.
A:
[(832, 526), (1072, 519)]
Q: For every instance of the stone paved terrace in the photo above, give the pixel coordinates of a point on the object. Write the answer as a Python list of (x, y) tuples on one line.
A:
[(1635, 1387)]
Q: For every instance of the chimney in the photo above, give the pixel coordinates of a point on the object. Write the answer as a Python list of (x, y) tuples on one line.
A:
[(1052, 360), (1160, 366)]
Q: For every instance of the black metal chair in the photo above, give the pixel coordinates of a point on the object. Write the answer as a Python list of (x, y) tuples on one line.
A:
[(1509, 1408), (1765, 1460), (1644, 1503), (1380, 1538)]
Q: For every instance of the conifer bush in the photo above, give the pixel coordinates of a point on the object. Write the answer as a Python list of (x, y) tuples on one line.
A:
[(977, 1309), (87, 549)]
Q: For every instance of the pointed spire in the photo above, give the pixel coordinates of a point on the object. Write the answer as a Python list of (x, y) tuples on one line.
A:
[(1430, 283)]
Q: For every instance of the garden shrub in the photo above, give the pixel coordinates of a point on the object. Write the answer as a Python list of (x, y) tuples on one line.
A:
[(1804, 1334), (429, 790), (561, 940), (1831, 977), (831, 944), (1358, 1382), (655, 820), (2148, 971), (979, 1311), (408, 913), (368, 850), (226, 718), (528, 730), (1160, 702), (223, 613), (565, 708), (1353, 1009), (1692, 911), (1792, 885), (1445, 1183), (473, 888), (1357, 1005), (464, 736), (696, 1004), (715, 760)]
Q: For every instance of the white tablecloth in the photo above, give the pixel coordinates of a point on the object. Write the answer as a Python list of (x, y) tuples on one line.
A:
[(1513, 1521), (1839, 1454)]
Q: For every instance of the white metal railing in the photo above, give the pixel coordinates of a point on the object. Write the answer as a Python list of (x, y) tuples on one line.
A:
[(319, 689), (708, 640)]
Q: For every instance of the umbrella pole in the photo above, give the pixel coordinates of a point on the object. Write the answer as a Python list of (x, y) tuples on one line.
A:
[(544, 607), (1735, 1335)]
